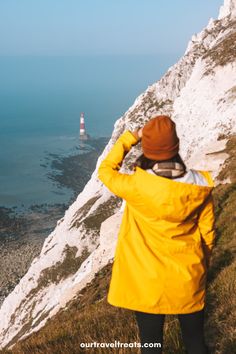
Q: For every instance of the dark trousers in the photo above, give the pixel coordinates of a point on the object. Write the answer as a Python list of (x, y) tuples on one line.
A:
[(151, 331)]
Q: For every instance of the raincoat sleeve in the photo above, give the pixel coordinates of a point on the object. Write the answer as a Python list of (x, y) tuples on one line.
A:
[(206, 224), (120, 184)]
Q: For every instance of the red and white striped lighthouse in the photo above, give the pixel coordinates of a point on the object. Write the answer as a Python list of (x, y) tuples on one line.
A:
[(82, 132), (82, 126)]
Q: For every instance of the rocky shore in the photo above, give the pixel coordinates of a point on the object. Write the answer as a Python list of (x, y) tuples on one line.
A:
[(22, 234)]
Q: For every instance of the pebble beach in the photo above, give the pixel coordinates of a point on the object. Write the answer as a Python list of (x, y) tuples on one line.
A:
[(22, 234)]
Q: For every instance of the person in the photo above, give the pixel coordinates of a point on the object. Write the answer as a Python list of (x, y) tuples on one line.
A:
[(166, 235)]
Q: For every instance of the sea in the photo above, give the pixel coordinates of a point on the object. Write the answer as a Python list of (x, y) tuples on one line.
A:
[(41, 99)]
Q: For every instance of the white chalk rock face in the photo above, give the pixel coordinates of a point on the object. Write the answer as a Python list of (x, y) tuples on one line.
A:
[(228, 9), (199, 92)]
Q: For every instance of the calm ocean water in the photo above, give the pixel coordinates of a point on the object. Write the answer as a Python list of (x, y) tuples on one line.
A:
[(40, 103)]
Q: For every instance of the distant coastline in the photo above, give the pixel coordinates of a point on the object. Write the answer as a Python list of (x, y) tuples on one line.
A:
[(43, 166), (22, 234)]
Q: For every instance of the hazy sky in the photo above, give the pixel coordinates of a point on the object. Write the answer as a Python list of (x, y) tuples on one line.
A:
[(84, 27)]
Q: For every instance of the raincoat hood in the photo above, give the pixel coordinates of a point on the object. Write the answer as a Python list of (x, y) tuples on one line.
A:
[(172, 200)]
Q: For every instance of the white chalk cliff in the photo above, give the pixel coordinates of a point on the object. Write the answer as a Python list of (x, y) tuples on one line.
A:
[(199, 92)]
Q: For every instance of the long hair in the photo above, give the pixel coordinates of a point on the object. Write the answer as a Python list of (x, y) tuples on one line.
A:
[(146, 163)]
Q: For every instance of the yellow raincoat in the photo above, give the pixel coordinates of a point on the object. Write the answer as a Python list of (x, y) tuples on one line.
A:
[(166, 235)]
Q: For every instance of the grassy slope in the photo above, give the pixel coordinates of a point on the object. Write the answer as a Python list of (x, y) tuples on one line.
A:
[(90, 318)]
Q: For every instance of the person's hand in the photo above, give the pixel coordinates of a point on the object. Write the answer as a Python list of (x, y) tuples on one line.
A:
[(137, 133)]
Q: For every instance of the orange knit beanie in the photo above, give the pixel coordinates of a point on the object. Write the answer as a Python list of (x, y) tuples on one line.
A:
[(159, 138)]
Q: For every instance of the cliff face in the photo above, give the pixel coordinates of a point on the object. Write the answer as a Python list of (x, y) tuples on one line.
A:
[(228, 9), (199, 92)]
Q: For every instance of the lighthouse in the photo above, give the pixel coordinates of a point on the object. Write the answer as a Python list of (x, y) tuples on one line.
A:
[(82, 132)]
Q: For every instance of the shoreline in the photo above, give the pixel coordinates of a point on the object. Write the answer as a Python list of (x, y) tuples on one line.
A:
[(22, 233)]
